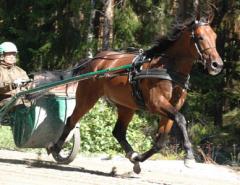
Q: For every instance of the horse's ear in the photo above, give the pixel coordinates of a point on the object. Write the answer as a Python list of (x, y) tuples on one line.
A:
[(210, 18), (210, 12), (198, 17), (196, 10), (204, 11)]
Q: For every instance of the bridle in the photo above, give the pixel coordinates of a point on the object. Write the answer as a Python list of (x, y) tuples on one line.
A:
[(197, 45)]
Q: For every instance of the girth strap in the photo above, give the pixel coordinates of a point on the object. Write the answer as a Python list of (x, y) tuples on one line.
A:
[(164, 74)]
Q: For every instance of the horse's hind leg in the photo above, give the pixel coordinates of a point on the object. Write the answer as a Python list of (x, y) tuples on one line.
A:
[(119, 132), (180, 120), (86, 98), (160, 140), (166, 124)]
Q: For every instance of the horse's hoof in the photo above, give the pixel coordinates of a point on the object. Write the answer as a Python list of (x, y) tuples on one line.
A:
[(53, 149), (136, 168), (48, 151), (190, 163), (49, 148)]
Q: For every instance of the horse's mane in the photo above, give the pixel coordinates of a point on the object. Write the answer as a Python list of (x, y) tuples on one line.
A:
[(188, 11), (166, 41)]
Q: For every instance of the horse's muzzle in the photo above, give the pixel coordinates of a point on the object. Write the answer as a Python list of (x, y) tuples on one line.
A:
[(215, 66)]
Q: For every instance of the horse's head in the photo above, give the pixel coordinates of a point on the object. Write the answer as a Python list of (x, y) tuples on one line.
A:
[(204, 39)]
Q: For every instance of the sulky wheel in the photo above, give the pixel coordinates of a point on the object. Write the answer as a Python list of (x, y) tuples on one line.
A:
[(70, 148)]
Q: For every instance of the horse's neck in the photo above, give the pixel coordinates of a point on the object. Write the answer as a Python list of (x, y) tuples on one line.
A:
[(181, 55), (174, 63), (183, 46), (183, 65)]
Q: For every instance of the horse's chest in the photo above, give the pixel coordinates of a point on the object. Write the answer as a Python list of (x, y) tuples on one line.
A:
[(156, 88)]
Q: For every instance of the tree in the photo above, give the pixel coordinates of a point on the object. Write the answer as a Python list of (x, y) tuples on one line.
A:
[(108, 24)]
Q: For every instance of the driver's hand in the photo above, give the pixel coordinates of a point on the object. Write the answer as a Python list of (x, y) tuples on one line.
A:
[(17, 82)]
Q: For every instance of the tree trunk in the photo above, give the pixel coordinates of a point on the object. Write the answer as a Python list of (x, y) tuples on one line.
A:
[(108, 24), (90, 29)]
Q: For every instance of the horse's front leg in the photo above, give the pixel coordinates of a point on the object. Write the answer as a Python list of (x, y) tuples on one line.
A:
[(56, 148), (85, 100), (160, 140)]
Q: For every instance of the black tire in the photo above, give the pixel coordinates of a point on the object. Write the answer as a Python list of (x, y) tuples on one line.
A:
[(70, 149)]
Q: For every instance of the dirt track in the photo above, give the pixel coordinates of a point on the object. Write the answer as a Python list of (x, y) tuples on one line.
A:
[(18, 168)]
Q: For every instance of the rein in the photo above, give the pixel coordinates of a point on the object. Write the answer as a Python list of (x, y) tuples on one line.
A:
[(89, 60)]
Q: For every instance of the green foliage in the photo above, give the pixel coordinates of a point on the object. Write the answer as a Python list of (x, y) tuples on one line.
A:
[(53, 35), (47, 33), (232, 118), (170, 153), (96, 128), (6, 138), (198, 132), (126, 23), (96, 131)]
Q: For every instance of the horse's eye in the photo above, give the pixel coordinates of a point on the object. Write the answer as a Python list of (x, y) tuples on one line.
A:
[(200, 38)]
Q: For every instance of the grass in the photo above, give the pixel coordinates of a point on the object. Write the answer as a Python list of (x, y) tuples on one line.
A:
[(6, 138)]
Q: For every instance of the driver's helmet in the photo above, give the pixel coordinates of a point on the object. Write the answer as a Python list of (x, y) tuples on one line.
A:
[(1, 50), (7, 47)]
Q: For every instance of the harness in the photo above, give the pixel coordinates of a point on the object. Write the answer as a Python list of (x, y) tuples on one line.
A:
[(136, 74)]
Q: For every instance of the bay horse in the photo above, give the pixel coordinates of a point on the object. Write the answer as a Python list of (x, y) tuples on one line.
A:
[(162, 86)]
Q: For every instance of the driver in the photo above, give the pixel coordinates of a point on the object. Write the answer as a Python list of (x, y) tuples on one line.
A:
[(11, 76)]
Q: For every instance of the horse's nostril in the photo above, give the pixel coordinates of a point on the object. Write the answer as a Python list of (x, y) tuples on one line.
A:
[(214, 64)]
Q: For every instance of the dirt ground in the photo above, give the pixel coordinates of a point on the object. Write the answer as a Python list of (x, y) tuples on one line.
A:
[(22, 168)]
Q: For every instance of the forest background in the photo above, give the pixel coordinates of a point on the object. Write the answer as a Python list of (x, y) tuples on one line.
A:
[(56, 34)]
